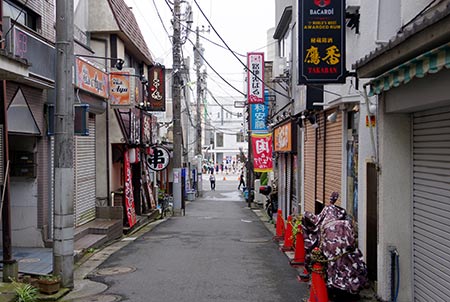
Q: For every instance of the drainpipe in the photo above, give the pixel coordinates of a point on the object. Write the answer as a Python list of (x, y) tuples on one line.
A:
[(371, 129)]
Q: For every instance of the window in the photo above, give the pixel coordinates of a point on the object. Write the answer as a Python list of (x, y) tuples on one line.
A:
[(240, 137), (23, 16), (219, 139)]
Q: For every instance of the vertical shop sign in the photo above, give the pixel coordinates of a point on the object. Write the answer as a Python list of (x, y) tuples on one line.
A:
[(259, 114), (255, 78), (129, 198), (262, 152), (157, 91), (321, 41)]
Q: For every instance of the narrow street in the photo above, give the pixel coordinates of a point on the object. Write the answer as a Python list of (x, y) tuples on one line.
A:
[(219, 251)]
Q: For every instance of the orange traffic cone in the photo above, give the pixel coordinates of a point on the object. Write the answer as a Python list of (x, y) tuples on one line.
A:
[(318, 291), (299, 256), (288, 240), (279, 227)]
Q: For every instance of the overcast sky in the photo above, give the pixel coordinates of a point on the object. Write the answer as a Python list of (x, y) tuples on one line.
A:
[(242, 24)]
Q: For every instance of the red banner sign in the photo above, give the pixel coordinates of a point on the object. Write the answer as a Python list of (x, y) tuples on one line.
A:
[(262, 152), (129, 198)]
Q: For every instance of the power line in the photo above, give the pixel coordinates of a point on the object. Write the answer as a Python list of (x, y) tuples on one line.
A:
[(223, 79), (223, 41)]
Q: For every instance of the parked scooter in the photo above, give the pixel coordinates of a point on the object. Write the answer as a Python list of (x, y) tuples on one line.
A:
[(271, 205), (332, 232)]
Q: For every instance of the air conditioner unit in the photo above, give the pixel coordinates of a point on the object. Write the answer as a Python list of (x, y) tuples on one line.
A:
[(279, 66)]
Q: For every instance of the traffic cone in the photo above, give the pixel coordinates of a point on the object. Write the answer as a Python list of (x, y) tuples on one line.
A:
[(318, 291), (279, 227), (288, 240), (299, 255), (224, 178)]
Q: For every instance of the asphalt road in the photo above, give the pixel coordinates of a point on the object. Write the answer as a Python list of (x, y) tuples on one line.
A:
[(219, 251)]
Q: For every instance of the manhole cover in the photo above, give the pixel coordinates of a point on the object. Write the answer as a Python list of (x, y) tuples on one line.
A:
[(29, 260), (99, 298), (254, 240), (109, 271)]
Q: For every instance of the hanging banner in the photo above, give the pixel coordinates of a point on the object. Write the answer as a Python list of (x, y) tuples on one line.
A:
[(157, 91), (90, 78), (321, 41), (259, 114), (128, 192), (122, 88), (255, 78), (262, 152)]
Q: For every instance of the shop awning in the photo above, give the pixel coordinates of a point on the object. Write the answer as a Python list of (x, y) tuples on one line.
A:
[(429, 62)]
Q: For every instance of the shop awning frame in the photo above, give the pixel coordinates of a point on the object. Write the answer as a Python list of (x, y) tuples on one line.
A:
[(428, 63)]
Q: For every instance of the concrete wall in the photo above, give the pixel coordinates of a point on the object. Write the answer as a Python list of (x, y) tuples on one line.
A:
[(106, 22), (395, 183), (24, 208)]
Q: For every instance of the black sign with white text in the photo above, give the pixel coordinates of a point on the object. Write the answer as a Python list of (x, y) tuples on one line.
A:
[(321, 41)]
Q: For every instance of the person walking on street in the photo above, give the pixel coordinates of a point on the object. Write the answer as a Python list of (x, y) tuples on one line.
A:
[(241, 181), (212, 180)]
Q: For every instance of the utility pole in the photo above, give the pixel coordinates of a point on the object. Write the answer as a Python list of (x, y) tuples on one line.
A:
[(176, 103), (63, 240), (198, 54)]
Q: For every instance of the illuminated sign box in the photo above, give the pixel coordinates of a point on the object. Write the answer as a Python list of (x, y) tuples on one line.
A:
[(321, 41)]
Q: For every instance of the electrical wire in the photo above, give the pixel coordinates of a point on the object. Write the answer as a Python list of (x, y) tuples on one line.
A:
[(223, 41), (221, 106), (223, 79)]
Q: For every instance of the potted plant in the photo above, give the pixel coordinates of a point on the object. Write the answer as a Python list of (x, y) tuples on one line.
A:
[(49, 284)]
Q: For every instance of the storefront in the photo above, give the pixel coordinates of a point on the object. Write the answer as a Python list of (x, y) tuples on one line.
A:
[(91, 93), (285, 146)]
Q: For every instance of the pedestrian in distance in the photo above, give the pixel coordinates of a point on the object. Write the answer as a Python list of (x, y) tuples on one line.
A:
[(212, 180), (241, 181)]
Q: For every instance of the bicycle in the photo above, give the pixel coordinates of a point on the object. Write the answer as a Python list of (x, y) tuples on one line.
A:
[(166, 206)]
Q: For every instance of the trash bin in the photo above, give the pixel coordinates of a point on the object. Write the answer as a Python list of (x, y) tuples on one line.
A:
[(191, 195)]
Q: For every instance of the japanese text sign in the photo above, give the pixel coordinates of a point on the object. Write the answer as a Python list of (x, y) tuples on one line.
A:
[(90, 78), (122, 87), (129, 197), (258, 115), (157, 91), (255, 77), (283, 138), (262, 152), (321, 41), (159, 158)]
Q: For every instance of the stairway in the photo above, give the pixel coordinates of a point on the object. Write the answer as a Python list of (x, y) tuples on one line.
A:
[(95, 234)]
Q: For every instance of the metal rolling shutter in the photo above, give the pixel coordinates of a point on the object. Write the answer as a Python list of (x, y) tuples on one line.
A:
[(431, 205), (84, 157), (282, 182), (310, 167), (288, 184), (333, 157)]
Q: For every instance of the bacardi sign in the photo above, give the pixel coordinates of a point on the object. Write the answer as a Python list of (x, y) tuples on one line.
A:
[(321, 41)]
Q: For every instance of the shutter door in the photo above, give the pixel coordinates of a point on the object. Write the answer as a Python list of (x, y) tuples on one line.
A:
[(431, 205), (310, 166), (288, 184), (333, 157), (85, 176), (281, 182)]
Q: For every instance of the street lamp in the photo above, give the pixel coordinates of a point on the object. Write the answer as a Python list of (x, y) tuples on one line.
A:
[(118, 65)]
